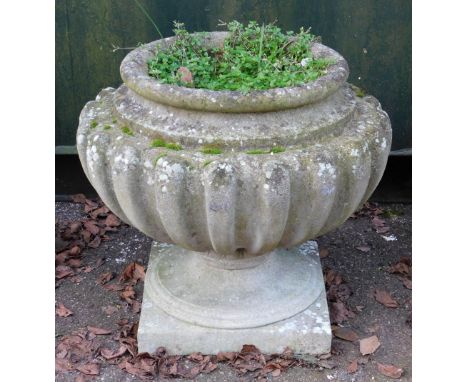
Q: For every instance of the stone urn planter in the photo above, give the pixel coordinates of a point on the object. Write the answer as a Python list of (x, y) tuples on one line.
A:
[(229, 185)]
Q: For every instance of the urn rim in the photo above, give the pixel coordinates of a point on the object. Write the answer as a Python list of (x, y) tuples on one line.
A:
[(134, 72)]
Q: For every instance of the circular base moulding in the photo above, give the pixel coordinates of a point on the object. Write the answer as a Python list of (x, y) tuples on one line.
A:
[(192, 288)]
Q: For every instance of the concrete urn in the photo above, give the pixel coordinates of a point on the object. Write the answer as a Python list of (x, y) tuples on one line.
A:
[(292, 164)]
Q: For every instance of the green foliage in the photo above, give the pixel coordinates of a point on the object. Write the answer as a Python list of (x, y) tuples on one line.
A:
[(253, 57), (167, 145), (277, 149), (211, 150), (107, 127), (257, 152), (93, 124), (158, 143), (273, 150), (359, 91), (127, 130), (173, 146)]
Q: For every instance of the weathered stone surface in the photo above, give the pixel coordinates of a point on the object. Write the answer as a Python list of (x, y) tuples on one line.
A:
[(295, 163), (307, 331)]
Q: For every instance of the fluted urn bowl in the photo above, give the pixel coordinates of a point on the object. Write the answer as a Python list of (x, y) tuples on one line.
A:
[(295, 163)]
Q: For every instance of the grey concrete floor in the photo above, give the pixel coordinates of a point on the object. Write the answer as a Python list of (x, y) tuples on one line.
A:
[(363, 272)]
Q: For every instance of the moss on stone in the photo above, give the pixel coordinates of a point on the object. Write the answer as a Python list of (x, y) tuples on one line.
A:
[(277, 150), (127, 130), (173, 146), (158, 143), (107, 127), (206, 163), (211, 150), (168, 145), (93, 124), (273, 150)]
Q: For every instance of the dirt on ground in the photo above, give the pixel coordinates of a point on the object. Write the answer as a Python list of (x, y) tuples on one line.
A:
[(99, 286)]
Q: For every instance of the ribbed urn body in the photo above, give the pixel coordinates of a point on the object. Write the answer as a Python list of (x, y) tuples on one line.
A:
[(294, 162)]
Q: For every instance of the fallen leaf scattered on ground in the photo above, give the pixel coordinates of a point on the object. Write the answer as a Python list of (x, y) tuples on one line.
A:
[(110, 309), (105, 278), (345, 334), (72, 237), (111, 354), (133, 272), (403, 266), (352, 367), (384, 298), (62, 311), (98, 331), (380, 225), (323, 253), (389, 370), (369, 345), (89, 369), (407, 283), (369, 209)]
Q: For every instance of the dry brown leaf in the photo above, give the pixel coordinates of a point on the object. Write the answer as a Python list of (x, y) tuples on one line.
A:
[(369, 345), (352, 367), (63, 271), (323, 253), (96, 242), (62, 364), (330, 276), (110, 310), (382, 229), (74, 251), (339, 312), (99, 212), (92, 227), (98, 331), (400, 267), (111, 354), (276, 373), (75, 263), (133, 272), (105, 278), (112, 220), (226, 356), (378, 222), (89, 369), (128, 294), (62, 311), (345, 334), (136, 307), (249, 349), (406, 282), (78, 198), (385, 299), (389, 370)]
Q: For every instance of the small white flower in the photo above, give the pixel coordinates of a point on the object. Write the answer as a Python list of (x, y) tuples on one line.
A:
[(305, 61)]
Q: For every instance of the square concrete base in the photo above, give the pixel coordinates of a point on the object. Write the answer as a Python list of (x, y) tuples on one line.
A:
[(308, 332)]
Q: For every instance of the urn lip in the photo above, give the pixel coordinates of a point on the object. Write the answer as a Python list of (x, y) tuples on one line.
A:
[(134, 72)]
